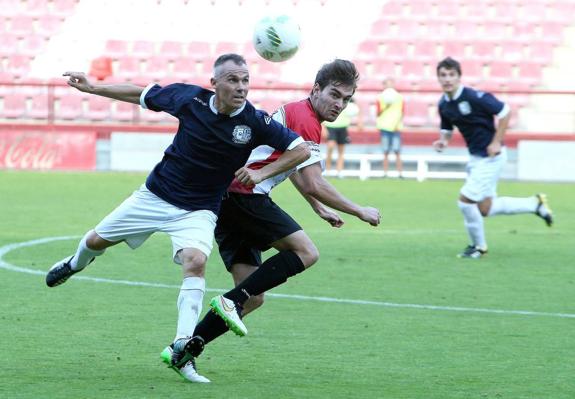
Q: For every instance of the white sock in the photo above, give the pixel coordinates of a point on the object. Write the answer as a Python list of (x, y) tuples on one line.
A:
[(190, 305), (512, 206), (84, 254), (473, 223)]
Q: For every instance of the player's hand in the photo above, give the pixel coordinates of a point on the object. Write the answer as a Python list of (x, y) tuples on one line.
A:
[(330, 216), (78, 80), (248, 177), (439, 145), (494, 149), (370, 215)]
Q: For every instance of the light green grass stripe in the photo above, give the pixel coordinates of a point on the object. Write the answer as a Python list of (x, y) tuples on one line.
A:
[(7, 266)]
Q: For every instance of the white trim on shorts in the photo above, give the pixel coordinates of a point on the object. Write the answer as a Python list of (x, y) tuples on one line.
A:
[(482, 176), (144, 213)]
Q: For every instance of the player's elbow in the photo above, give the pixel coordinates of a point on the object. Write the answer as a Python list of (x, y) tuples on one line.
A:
[(302, 152)]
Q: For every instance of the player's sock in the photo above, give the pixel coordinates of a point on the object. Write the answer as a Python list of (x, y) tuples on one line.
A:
[(190, 305), (211, 327), (273, 272), (84, 255), (473, 223), (512, 206)]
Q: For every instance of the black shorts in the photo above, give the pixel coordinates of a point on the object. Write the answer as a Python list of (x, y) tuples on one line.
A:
[(247, 225), (338, 134)]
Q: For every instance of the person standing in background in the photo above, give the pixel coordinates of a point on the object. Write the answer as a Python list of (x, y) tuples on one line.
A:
[(337, 134), (389, 123)]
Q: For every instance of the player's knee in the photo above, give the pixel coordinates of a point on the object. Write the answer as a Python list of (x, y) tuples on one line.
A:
[(193, 262), (97, 243), (308, 254)]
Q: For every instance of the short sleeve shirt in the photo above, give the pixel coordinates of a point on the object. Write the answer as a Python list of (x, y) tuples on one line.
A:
[(209, 147)]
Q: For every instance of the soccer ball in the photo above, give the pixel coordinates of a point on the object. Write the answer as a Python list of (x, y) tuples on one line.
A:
[(276, 39)]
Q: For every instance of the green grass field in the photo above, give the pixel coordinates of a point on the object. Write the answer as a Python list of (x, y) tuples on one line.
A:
[(90, 339)]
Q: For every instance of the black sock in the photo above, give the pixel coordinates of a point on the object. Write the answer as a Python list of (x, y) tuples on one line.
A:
[(211, 327), (273, 272)]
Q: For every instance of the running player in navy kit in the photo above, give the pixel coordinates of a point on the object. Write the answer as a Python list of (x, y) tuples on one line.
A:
[(182, 194), (250, 222), (472, 112)]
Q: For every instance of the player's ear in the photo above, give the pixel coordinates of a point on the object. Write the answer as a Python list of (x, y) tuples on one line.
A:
[(213, 82)]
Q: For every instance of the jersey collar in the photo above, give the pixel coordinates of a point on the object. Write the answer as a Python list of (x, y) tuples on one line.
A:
[(456, 96), (215, 110)]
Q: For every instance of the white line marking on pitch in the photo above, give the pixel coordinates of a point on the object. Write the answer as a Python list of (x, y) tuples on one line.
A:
[(10, 247)]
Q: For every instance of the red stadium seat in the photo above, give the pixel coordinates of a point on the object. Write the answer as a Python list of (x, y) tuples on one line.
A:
[(33, 45), (416, 113), (227, 47), (454, 49), (143, 49), (383, 68), (184, 69), (465, 29), (64, 8), (483, 50), (425, 50), (19, 65), (447, 11), (22, 25), (128, 68), (14, 106), (70, 107), (395, 50), (551, 31), (8, 43), (368, 49), (98, 108), (39, 108), (156, 68), (116, 48), (541, 52), (198, 50), (171, 50), (49, 25), (382, 28), (495, 30), (124, 112)]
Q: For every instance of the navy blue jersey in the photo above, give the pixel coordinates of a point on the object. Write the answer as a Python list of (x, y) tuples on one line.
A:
[(209, 147), (472, 112)]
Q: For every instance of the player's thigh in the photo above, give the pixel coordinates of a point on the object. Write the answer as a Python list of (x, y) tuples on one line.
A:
[(482, 178), (135, 219), (190, 230), (395, 142)]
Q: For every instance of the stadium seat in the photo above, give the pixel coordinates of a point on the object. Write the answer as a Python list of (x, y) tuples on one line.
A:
[(98, 108), (551, 31), (33, 45), (14, 106), (496, 30), (531, 72), (39, 108), (101, 68), (184, 69), (541, 52), (227, 47), (447, 11), (128, 67), (18, 65), (9, 43), (382, 29), (368, 49), (22, 26), (383, 68), (395, 50), (483, 50), (116, 48), (156, 68), (143, 49), (465, 29), (124, 112), (64, 8), (69, 107), (453, 48), (425, 50), (171, 50), (199, 50), (416, 113), (49, 25)]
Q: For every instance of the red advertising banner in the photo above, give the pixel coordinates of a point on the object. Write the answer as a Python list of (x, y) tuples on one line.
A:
[(27, 149)]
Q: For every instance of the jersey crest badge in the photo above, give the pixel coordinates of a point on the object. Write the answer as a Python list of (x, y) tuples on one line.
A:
[(464, 108), (242, 134)]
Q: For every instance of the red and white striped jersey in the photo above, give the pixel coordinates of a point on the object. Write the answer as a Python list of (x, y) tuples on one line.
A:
[(300, 117)]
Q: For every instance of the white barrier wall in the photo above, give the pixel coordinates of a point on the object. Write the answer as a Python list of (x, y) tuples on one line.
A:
[(137, 151), (546, 160)]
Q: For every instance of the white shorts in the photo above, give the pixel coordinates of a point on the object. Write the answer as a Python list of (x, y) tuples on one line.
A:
[(482, 176), (144, 213)]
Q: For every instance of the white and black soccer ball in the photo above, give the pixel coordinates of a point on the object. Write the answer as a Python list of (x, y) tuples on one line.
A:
[(277, 38)]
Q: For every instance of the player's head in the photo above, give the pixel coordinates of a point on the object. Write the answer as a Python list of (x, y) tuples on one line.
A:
[(388, 83), (231, 82), (334, 85), (449, 75)]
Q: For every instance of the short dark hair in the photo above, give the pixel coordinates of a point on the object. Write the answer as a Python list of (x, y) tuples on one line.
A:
[(338, 72), (236, 58), (449, 63)]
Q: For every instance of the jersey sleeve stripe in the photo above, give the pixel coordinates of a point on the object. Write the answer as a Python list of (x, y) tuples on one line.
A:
[(143, 95)]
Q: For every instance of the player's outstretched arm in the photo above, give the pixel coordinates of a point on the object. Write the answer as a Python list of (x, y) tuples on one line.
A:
[(122, 92), (320, 209), (288, 160), (313, 184)]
